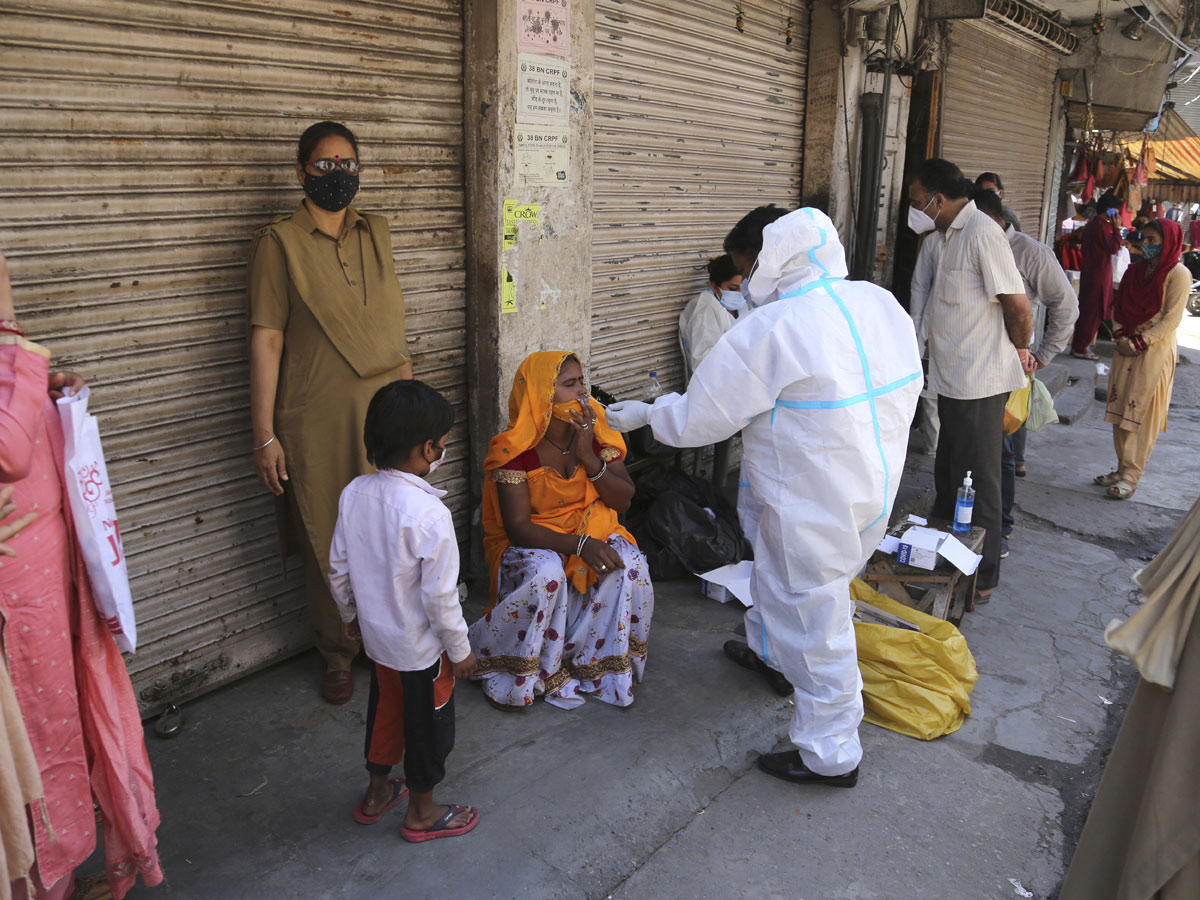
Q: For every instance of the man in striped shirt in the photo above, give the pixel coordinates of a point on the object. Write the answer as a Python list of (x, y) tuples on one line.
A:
[(979, 325)]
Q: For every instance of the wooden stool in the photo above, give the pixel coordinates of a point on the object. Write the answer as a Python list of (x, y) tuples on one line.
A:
[(948, 593)]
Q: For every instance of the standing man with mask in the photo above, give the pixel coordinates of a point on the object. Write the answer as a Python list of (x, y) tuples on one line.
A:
[(826, 372), (1046, 284), (990, 181), (979, 323)]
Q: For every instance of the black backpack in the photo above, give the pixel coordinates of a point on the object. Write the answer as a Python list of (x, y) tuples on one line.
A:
[(684, 525)]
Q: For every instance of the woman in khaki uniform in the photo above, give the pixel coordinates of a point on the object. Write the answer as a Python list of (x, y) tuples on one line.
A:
[(326, 331)]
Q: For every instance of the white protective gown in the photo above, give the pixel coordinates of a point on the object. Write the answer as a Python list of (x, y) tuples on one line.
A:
[(701, 325), (826, 372)]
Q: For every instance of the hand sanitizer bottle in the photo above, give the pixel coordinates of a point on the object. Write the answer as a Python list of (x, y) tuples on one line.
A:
[(964, 506), (654, 390)]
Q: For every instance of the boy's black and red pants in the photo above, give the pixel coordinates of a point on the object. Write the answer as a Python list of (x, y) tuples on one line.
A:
[(410, 717)]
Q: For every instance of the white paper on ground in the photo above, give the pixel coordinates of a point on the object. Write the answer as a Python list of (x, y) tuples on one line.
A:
[(956, 553), (735, 578), (889, 544), (918, 520)]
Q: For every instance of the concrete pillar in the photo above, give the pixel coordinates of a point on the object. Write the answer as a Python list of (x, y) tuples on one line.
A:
[(831, 119), (837, 79), (550, 265)]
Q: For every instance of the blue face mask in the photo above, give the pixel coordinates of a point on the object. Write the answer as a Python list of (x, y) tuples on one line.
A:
[(1149, 251), (731, 300)]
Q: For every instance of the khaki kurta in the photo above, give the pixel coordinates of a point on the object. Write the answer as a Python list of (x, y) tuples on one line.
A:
[(339, 306), (1139, 387)]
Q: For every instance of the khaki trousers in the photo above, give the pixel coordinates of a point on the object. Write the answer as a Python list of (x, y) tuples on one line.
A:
[(1133, 450), (337, 650)]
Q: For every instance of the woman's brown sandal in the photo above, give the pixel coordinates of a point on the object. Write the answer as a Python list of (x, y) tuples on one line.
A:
[(504, 707), (1122, 490)]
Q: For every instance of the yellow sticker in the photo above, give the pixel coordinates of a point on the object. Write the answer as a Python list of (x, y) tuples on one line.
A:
[(514, 214), (508, 292)]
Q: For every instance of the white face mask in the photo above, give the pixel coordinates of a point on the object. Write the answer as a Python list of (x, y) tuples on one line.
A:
[(731, 300), (433, 466), (919, 221)]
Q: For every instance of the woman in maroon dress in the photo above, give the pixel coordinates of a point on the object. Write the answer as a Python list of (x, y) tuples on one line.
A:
[(1101, 239)]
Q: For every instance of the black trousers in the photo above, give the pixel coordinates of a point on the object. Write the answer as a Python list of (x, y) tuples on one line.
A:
[(1013, 456), (972, 439), (410, 716)]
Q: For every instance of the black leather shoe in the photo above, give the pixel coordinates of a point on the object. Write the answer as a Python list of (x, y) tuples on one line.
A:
[(788, 766), (746, 658)]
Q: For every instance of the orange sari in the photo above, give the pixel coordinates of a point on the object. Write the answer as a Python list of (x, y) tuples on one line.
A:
[(566, 505)]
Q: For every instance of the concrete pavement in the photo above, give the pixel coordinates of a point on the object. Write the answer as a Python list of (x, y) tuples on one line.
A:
[(663, 800)]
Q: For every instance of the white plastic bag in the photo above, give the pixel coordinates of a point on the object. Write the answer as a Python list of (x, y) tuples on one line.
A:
[(95, 515), (1041, 406)]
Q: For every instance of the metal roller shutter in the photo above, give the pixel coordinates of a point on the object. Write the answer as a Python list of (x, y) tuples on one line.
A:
[(695, 124), (141, 143), (996, 115)]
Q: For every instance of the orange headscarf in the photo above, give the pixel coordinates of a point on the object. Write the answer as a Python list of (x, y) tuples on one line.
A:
[(566, 505)]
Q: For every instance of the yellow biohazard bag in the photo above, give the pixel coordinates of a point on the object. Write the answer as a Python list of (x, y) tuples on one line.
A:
[(1016, 409), (915, 682)]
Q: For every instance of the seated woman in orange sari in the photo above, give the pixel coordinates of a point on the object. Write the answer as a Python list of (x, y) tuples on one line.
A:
[(571, 593)]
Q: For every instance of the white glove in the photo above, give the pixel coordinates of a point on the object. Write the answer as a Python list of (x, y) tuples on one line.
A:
[(628, 415)]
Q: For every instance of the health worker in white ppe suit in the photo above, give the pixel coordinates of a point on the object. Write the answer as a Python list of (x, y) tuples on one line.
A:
[(711, 313), (827, 374)]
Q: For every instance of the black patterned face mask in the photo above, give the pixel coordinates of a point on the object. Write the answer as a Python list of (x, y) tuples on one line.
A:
[(332, 192)]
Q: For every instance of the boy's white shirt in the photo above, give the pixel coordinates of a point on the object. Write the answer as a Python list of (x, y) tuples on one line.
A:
[(393, 564)]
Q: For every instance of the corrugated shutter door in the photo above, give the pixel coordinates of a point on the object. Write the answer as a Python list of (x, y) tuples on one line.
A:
[(999, 98), (695, 125), (142, 144)]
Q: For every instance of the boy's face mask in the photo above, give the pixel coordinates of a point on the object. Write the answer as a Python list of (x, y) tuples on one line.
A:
[(433, 466)]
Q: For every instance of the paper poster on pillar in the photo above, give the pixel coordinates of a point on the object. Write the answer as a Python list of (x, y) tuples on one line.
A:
[(508, 292), (543, 90), (544, 26), (514, 214), (542, 156)]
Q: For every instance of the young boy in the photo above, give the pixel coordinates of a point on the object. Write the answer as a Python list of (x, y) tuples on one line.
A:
[(394, 575)]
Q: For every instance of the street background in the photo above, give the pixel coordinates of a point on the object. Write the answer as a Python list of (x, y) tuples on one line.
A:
[(663, 799)]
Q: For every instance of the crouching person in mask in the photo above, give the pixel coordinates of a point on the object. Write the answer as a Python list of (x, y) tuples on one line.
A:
[(827, 373)]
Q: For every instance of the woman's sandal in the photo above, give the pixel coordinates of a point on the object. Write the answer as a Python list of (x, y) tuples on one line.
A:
[(1107, 480), (440, 828), (399, 793), (91, 887), (1089, 355), (1122, 490), (504, 707)]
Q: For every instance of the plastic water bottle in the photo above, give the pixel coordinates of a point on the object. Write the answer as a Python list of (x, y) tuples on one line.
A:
[(654, 390), (964, 506)]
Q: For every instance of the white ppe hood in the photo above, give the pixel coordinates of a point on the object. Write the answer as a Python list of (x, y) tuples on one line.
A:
[(799, 248)]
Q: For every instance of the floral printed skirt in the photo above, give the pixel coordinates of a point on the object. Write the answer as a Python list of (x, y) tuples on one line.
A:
[(544, 637)]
